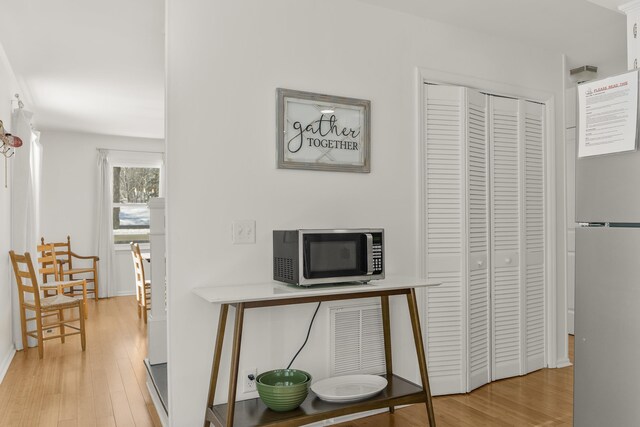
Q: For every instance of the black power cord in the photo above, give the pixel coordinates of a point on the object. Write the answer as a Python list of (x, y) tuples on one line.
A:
[(307, 338)]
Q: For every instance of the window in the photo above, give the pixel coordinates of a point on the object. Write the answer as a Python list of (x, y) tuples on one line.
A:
[(132, 189)]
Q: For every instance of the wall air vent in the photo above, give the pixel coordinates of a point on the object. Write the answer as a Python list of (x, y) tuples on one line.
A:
[(357, 340)]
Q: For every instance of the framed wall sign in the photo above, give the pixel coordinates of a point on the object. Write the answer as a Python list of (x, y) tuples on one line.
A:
[(322, 132)]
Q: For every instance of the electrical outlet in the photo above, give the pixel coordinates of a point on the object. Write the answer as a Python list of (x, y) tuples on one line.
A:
[(244, 231), (248, 384)]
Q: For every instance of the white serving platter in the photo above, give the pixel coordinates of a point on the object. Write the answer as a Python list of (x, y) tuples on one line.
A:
[(349, 388)]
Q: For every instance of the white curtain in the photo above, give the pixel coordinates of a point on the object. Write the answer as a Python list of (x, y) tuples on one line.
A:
[(104, 214), (25, 199)]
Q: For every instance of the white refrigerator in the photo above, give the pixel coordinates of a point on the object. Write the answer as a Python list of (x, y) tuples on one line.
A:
[(607, 291)]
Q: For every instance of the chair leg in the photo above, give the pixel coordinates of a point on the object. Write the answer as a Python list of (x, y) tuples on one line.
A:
[(83, 341), (144, 310), (23, 324), (61, 319), (84, 299), (40, 337), (147, 301), (95, 284)]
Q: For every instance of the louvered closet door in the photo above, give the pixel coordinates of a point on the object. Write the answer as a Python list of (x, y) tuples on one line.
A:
[(534, 226), (478, 303), (444, 238), (456, 225), (505, 244)]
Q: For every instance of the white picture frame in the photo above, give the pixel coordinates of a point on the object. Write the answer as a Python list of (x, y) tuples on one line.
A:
[(322, 132)]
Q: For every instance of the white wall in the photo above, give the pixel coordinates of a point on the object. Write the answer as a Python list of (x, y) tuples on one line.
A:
[(225, 60), (8, 87), (69, 176)]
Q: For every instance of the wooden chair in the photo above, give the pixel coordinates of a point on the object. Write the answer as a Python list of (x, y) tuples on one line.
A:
[(43, 308), (49, 266), (143, 286), (65, 257)]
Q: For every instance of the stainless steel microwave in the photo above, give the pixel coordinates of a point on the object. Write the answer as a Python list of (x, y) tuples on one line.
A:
[(312, 257)]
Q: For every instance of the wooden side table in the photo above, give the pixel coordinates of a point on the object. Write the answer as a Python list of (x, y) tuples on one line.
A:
[(253, 412)]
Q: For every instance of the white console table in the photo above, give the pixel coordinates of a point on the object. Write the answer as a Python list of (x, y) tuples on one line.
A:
[(253, 412)]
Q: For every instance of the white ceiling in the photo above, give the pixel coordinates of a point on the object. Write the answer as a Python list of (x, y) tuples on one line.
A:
[(97, 66), (578, 28), (610, 4), (90, 65)]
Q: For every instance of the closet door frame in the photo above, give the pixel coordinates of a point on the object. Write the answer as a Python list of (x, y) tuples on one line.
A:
[(556, 338)]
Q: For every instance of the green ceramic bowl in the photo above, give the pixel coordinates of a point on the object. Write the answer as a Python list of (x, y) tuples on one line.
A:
[(283, 389)]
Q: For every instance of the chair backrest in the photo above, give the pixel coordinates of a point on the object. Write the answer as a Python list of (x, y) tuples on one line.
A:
[(48, 261), (25, 277), (137, 264), (63, 249)]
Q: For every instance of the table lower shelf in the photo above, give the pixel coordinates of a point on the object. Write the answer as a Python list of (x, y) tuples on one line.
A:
[(253, 412)]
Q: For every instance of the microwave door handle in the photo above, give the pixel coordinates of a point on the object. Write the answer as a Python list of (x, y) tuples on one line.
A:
[(369, 254)]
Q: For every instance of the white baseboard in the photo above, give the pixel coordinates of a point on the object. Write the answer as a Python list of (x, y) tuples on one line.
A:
[(345, 418), (6, 361), (164, 420), (563, 363), (351, 417), (125, 293)]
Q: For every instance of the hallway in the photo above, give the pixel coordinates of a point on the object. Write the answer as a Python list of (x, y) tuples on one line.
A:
[(104, 386)]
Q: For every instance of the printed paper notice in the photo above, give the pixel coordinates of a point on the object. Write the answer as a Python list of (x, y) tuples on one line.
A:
[(608, 115)]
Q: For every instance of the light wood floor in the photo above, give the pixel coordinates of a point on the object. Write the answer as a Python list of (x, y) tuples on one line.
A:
[(542, 398), (103, 386)]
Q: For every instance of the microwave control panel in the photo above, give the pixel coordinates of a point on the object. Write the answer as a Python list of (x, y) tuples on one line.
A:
[(377, 253)]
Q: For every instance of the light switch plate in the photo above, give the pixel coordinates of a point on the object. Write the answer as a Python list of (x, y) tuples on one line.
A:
[(244, 231)]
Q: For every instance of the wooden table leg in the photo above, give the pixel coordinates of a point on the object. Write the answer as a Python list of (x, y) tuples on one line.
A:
[(235, 362), (386, 328), (215, 364), (422, 362)]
